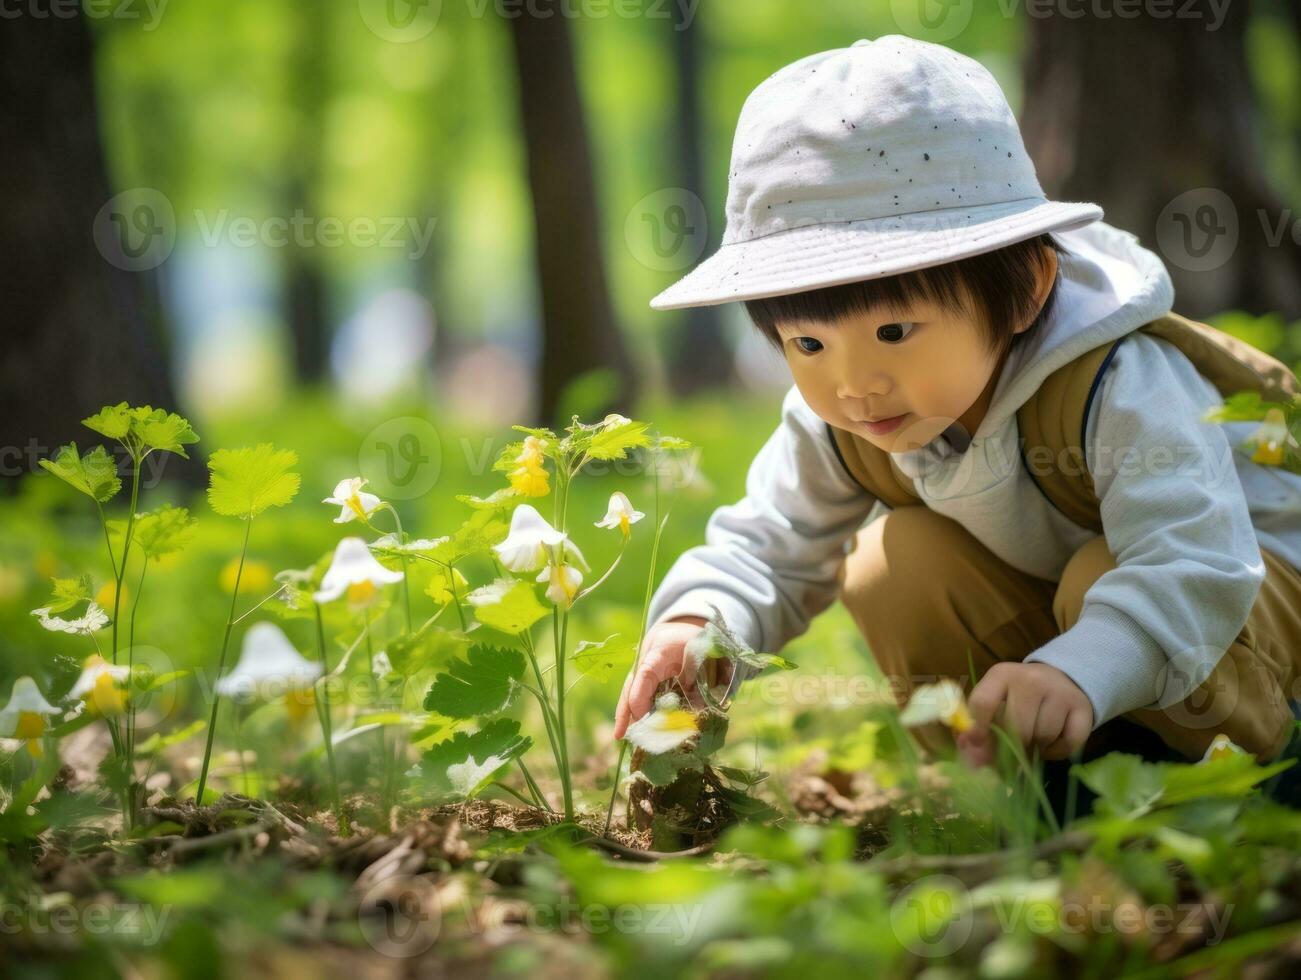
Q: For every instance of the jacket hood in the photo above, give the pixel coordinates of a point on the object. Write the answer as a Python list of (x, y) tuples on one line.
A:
[(1109, 286)]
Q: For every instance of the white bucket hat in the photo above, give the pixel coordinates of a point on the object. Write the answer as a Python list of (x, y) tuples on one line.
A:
[(867, 161)]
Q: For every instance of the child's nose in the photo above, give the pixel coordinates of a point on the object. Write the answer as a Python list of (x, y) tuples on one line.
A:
[(864, 387)]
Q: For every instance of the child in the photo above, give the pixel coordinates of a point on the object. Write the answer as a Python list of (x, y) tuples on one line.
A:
[(940, 317)]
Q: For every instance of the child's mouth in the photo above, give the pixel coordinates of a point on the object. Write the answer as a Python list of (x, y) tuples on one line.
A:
[(885, 426)]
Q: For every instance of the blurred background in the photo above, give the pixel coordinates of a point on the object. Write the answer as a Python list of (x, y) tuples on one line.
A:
[(220, 205), (304, 221)]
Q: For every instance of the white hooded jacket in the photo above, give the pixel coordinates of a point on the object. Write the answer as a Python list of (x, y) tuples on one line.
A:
[(1184, 513)]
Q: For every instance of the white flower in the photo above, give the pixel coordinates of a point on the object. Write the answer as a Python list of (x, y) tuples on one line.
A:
[(620, 513), (353, 502), (562, 583), (380, 665), (268, 666), (937, 702), (354, 570), (94, 618), (24, 716), (663, 729), (532, 542)]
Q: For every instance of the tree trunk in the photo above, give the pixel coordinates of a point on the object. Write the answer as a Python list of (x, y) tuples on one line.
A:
[(82, 323), (306, 309), (578, 325), (700, 356), (1134, 114)]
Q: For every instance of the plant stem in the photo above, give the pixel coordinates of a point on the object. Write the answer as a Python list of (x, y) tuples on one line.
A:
[(126, 547), (323, 712), (221, 663), (406, 589), (541, 694), (533, 786), (641, 636)]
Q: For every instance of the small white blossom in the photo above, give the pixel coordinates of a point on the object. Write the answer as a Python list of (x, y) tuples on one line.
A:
[(532, 542), (353, 502), (620, 514), (355, 571), (664, 729), (268, 666)]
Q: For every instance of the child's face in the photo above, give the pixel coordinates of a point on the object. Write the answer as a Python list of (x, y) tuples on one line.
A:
[(924, 363)]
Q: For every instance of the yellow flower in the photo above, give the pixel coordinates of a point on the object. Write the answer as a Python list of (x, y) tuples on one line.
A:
[(1272, 439), (938, 702), (256, 577), (298, 703), (105, 595), (530, 476)]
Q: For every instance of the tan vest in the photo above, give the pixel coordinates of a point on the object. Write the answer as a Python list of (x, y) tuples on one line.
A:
[(1052, 421)]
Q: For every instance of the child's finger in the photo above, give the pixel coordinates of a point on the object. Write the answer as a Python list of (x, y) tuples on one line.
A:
[(976, 749), (986, 698), (1074, 734), (655, 670), (1049, 723), (621, 718)]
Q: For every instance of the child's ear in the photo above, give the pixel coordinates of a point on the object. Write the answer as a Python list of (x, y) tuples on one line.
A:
[(1045, 276)]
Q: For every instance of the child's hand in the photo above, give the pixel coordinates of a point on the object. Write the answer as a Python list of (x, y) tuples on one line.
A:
[(1038, 702), (664, 657)]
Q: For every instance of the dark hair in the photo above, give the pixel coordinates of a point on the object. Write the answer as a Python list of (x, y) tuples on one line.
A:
[(1001, 283)]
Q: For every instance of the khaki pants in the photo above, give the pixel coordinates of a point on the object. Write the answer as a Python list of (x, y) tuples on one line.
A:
[(924, 592)]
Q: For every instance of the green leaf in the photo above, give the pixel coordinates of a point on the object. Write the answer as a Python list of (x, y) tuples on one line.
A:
[(94, 474), (509, 605), (158, 532), (143, 427), (158, 741), (164, 431), (600, 659), (432, 644), (483, 684), (500, 499), (463, 765), (716, 641), (614, 438), (247, 481), (68, 592), (113, 421), (671, 444)]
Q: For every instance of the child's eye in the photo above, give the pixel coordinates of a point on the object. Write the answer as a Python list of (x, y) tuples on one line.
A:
[(890, 332), (808, 344)]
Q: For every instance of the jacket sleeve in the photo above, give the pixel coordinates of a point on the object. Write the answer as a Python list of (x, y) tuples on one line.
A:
[(1188, 563), (770, 560)]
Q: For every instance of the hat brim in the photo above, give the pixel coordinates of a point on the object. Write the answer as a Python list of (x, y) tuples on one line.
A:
[(819, 255)]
